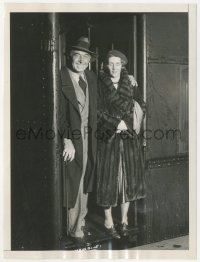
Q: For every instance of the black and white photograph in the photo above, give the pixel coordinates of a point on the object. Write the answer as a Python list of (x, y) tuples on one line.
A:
[(100, 130)]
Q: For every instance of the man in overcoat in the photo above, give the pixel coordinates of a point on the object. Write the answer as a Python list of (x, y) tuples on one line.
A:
[(78, 121)]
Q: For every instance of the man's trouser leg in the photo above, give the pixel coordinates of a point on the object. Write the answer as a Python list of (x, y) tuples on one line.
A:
[(78, 213)]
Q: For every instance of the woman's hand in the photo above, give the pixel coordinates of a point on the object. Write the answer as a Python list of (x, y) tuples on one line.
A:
[(69, 150), (121, 127), (133, 81)]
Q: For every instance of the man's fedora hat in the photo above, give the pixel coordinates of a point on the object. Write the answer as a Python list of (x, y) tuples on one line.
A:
[(83, 44)]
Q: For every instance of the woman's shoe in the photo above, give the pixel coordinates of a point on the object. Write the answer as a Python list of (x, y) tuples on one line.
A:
[(123, 230), (112, 232)]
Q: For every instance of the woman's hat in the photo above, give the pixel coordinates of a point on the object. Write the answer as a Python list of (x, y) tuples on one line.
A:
[(82, 44), (118, 54)]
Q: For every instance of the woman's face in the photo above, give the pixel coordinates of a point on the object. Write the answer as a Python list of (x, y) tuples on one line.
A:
[(114, 66)]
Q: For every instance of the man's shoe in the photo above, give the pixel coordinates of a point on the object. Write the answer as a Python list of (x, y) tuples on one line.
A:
[(123, 230), (112, 232), (79, 241), (86, 230)]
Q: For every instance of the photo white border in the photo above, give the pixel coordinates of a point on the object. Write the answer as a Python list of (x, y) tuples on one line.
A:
[(96, 254)]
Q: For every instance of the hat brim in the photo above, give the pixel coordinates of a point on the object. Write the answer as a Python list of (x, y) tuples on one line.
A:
[(82, 49), (94, 56)]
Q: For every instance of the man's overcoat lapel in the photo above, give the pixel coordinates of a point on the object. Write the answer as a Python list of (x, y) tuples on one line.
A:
[(68, 89), (92, 97)]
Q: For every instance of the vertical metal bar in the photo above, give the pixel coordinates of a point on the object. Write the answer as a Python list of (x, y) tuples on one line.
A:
[(62, 49), (135, 47), (89, 34), (97, 62), (144, 70), (57, 219), (144, 67), (89, 38)]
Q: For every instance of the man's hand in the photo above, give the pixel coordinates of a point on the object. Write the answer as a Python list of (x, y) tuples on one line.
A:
[(121, 127), (69, 150)]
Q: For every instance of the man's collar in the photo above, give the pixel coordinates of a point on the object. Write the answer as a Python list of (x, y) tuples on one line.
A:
[(76, 75)]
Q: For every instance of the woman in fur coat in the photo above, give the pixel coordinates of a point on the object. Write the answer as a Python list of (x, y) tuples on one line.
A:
[(120, 169)]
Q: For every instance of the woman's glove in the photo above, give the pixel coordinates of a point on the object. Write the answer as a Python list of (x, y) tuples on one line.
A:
[(121, 127)]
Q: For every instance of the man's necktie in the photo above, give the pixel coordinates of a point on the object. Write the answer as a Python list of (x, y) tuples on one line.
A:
[(82, 84)]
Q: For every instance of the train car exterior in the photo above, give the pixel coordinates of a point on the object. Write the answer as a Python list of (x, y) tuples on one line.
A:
[(158, 60)]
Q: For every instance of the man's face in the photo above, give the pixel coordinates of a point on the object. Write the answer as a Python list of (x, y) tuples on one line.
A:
[(80, 60), (114, 66)]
